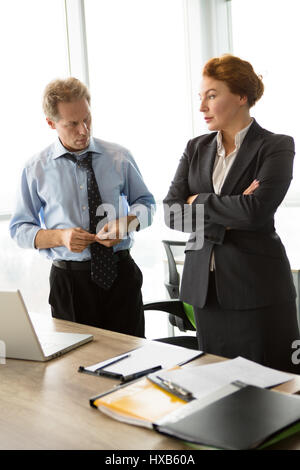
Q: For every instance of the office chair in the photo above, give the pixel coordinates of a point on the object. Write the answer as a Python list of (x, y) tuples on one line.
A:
[(174, 250), (181, 314)]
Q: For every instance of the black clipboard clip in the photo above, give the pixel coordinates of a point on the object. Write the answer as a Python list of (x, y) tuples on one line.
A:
[(173, 388)]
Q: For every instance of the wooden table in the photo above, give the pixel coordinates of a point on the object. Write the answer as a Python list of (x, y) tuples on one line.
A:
[(46, 405)]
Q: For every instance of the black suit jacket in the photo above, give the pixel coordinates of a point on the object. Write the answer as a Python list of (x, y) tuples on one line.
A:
[(251, 266)]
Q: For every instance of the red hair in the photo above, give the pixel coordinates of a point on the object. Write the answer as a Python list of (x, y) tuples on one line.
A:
[(238, 74)]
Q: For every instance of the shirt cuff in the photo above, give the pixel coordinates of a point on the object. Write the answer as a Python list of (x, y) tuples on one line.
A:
[(26, 236)]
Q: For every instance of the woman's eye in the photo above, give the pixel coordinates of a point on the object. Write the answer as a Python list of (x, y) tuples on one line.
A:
[(211, 97)]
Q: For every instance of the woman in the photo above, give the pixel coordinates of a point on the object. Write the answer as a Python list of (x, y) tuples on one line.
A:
[(239, 282)]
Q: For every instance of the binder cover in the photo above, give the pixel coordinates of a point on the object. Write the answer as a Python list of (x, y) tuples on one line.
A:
[(241, 420), (141, 403)]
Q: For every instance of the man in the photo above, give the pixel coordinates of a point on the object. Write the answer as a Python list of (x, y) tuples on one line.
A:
[(79, 202)]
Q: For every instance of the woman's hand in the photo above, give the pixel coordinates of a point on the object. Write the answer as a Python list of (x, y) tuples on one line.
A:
[(250, 190), (191, 199)]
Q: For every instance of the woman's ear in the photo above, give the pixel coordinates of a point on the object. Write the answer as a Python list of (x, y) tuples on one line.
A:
[(243, 100)]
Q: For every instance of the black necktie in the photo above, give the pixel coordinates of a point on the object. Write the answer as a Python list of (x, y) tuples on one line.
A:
[(103, 263)]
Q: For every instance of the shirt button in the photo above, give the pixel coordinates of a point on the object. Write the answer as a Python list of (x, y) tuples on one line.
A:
[(83, 208), (81, 186)]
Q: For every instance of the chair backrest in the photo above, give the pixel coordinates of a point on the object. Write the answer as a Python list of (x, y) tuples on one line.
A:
[(174, 249), (175, 254)]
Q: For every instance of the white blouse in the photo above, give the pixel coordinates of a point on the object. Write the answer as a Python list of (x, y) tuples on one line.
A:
[(223, 164)]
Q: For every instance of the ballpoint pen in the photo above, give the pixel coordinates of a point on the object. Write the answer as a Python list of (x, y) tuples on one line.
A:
[(101, 370), (141, 373)]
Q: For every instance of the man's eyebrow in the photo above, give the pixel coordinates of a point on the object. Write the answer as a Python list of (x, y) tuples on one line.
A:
[(71, 121)]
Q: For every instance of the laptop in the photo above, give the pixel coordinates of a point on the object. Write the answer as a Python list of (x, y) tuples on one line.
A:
[(20, 339)]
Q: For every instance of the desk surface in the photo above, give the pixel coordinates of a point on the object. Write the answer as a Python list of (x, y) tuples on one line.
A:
[(46, 405)]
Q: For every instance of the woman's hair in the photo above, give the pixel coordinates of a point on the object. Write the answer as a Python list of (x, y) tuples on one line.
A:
[(238, 74), (63, 90)]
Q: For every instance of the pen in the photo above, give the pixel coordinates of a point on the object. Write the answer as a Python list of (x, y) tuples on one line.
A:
[(139, 374), (100, 369)]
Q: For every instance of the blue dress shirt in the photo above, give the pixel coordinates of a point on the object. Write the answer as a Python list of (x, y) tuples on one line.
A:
[(53, 195)]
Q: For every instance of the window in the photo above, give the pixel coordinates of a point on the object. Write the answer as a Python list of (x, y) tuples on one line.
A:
[(139, 89), (136, 53), (267, 34), (33, 52)]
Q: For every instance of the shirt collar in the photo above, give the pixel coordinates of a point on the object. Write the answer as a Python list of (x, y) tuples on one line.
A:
[(239, 137), (59, 150)]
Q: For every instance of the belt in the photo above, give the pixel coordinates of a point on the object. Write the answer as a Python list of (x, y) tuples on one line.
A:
[(86, 265)]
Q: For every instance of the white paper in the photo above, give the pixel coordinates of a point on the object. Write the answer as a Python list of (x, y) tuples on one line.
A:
[(152, 355), (205, 379)]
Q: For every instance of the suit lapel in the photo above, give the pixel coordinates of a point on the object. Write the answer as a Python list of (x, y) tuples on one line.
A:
[(246, 153), (207, 165)]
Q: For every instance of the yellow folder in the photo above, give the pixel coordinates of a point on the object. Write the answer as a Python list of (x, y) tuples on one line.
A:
[(140, 402)]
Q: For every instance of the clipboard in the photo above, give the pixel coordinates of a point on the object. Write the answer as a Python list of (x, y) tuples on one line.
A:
[(142, 361)]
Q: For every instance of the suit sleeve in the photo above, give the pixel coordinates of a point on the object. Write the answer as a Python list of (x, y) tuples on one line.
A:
[(186, 217), (274, 172)]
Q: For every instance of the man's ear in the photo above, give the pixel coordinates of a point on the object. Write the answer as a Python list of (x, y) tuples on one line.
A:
[(51, 123)]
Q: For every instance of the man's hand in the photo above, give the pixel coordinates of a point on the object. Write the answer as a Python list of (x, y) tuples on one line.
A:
[(76, 239), (250, 190), (116, 230)]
